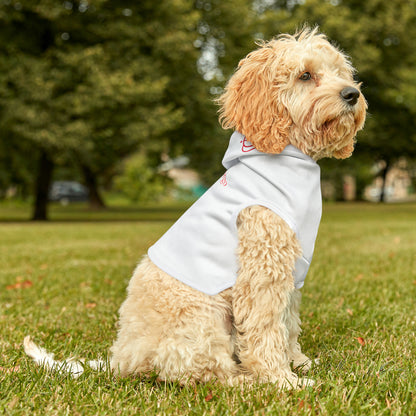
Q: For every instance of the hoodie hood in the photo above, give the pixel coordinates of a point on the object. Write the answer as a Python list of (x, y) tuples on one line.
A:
[(240, 148)]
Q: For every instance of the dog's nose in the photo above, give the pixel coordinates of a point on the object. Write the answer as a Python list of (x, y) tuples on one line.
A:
[(350, 95)]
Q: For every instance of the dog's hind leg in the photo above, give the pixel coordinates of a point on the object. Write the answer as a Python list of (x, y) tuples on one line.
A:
[(267, 253), (166, 326), (293, 323), (198, 346)]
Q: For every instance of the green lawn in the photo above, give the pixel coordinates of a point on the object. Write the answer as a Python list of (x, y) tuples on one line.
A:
[(62, 282)]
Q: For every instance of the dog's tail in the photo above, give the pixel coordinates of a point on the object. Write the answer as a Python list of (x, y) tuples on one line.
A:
[(72, 366)]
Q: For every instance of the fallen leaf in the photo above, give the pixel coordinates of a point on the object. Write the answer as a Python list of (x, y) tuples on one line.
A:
[(361, 341), (43, 266), (302, 405), (209, 396), (350, 312), (359, 277), (91, 305), (20, 285), (414, 282)]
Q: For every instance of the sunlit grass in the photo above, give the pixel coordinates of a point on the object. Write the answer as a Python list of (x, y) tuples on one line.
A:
[(63, 282)]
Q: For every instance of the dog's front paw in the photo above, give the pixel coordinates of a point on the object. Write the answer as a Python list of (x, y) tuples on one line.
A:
[(304, 364), (306, 382), (296, 382)]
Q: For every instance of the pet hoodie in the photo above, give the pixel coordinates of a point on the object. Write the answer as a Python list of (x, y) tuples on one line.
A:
[(200, 248)]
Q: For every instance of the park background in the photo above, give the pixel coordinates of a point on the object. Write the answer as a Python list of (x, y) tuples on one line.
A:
[(119, 96)]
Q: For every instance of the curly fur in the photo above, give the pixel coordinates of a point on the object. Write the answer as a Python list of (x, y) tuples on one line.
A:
[(239, 335), (249, 332), (265, 101)]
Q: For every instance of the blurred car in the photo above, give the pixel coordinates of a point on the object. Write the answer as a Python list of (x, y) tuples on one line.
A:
[(68, 191)]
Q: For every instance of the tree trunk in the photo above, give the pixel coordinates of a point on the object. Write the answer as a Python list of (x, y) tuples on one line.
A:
[(42, 185), (95, 199), (384, 173)]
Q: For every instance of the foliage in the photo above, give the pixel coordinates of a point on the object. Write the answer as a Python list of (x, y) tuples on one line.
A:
[(379, 36), (16, 168), (357, 312), (95, 91), (89, 83), (141, 182), (223, 37)]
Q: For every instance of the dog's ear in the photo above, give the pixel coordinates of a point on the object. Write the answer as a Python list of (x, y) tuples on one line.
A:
[(251, 104)]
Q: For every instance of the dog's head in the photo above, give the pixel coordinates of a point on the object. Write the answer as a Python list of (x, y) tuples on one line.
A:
[(295, 90)]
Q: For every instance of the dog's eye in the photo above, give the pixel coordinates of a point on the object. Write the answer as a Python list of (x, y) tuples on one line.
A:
[(306, 76)]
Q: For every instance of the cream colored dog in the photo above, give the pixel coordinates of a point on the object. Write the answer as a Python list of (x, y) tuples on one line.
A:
[(294, 90)]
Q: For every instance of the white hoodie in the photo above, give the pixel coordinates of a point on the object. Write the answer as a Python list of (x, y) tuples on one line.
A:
[(200, 248)]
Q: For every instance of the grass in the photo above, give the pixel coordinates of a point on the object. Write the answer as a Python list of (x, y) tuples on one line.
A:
[(62, 282), (117, 211)]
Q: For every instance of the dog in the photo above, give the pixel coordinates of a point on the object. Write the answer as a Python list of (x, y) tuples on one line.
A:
[(217, 297)]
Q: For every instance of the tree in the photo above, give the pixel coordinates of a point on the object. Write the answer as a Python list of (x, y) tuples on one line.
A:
[(85, 84), (224, 34), (379, 36)]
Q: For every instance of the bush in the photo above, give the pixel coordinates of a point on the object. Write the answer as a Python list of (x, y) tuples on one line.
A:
[(141, 182)]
